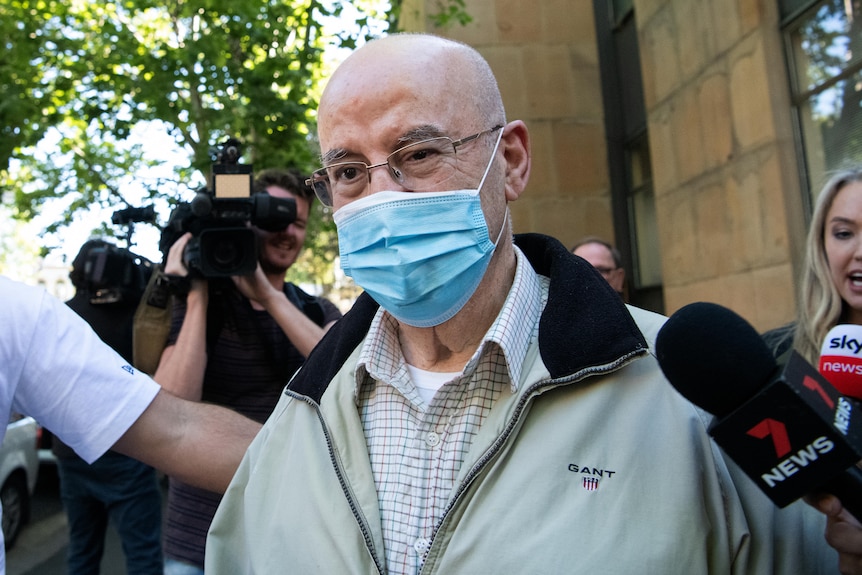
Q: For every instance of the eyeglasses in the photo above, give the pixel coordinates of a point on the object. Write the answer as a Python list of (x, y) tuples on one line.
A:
[(605, 271), (420, 164)]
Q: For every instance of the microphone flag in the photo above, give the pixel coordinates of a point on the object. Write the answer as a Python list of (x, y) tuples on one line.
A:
[(794, 434), (841, 359)]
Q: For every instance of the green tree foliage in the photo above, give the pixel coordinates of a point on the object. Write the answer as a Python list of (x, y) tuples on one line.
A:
[(86, 74), (445, 13), (82, 80)]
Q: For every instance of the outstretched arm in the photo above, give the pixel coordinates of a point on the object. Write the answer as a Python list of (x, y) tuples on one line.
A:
[(198, 443)]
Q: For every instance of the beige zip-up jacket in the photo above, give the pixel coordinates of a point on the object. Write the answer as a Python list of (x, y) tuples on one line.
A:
[(597, 465)]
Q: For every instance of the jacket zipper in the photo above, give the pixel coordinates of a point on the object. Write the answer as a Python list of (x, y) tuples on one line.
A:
[(360, 519), (503, 437), (477, 468)]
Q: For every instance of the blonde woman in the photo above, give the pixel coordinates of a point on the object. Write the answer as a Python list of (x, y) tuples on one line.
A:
[(831, 293), (831, 286)]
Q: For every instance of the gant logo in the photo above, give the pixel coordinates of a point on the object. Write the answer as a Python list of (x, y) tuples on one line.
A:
[(591, 476), (590, 483)]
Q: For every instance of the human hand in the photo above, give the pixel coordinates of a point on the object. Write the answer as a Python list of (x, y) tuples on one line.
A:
[(843, 532), (256, 286), (174, 265)]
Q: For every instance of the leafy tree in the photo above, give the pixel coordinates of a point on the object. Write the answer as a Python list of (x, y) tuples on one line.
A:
[(81, 80), (447, 12), (87, 74)]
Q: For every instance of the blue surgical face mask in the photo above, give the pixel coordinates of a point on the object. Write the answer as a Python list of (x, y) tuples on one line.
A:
[(420, 255)]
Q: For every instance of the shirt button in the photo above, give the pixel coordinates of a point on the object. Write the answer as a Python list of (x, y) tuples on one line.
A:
[(421, 545), (432, 439)]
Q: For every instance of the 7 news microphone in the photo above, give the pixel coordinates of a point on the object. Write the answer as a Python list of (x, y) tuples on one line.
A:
[(787, 427)]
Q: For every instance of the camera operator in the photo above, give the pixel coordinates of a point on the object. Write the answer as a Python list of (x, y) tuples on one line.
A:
[(108, 284), (235, 342)]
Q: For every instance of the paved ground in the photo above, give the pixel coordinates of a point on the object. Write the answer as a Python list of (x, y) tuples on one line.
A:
[(41, 547)]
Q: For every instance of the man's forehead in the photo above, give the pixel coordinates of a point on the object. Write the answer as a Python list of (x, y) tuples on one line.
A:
[(388, 119), (391, 90), (593, 250), (397, 137), (394, 70)]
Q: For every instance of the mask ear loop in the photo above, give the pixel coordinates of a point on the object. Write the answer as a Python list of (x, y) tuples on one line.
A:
[(491, 161), (481, 183), (502, 227)]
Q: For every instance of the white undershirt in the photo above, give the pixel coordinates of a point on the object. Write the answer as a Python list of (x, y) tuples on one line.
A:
[(428, 382)]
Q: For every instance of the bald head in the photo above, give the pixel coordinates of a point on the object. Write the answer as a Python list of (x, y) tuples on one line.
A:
[(425, 71), (414, 113), (410, 88)]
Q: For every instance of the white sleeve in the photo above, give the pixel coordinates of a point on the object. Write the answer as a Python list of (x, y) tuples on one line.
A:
[(68, 378)]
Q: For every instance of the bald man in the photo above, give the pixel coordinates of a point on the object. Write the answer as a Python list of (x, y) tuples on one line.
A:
[(488, 405)]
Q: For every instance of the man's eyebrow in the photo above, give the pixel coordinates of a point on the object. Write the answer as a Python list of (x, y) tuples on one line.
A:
[(417, 134), (333, 156), (420, 133)]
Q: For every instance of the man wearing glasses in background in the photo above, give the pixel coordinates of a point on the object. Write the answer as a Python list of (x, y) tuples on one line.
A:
[(487, 406), (606, 259)]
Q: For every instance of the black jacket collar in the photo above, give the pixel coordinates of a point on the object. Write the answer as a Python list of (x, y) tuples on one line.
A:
[(584, 324)]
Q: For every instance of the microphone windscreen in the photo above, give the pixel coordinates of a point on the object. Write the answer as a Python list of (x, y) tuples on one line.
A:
[(202, 204), (841, 359), (713, 357)]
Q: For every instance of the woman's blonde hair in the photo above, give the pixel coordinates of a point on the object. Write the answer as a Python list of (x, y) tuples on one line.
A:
[(820, 304)]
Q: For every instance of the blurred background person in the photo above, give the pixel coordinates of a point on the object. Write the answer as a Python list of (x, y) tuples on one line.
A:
[(109, 282), (605, 258), (236, 342)]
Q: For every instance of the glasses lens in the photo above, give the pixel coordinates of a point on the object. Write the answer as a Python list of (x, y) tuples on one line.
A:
[(424, 163), (319, 182), (346, 179)]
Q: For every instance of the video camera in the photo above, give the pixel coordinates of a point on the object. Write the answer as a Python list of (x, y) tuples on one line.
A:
[(222, 243), (113, 274)]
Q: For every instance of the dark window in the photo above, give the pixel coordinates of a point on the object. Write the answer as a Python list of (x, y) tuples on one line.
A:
[(630, 171)]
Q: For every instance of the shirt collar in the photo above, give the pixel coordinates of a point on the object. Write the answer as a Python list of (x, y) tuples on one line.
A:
[(514, 329)]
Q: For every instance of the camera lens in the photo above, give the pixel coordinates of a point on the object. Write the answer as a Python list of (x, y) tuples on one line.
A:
[(228, 252), (225, 255)]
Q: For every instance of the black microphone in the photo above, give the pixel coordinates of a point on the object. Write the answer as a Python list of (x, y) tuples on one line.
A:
[(787, 428)]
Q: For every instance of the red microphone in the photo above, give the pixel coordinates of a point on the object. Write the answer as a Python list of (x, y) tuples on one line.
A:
[(841, 359)]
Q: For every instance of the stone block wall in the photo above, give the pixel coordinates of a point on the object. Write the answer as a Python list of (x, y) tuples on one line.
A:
[(726, 181), (545, 57), (728, 202)]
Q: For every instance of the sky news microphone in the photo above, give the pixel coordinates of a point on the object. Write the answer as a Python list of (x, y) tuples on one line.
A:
[(786, 427), (841, 359)]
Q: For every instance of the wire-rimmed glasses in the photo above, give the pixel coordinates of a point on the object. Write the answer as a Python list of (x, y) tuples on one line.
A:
[(418, 165)]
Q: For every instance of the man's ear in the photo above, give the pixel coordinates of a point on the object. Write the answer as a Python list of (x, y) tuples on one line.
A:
[(516, 150)]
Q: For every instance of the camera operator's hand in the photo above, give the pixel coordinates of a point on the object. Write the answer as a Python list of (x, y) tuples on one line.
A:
[(176, 268), (261, 290), (257, 287), (174, 265)]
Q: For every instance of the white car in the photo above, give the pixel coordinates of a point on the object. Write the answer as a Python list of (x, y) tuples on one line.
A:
[(19, 468)]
